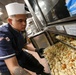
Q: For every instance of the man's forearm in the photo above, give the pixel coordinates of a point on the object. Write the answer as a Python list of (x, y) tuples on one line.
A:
[(29, 47), (20, 71)]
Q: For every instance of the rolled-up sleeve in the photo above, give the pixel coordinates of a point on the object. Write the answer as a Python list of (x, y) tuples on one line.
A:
[(6, 50)]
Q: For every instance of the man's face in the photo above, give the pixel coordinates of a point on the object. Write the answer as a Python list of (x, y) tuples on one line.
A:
[(18, 22)]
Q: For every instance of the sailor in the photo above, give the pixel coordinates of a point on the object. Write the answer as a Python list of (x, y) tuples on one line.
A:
[(13, 59)]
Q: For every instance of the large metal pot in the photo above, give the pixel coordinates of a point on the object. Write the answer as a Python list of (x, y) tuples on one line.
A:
[(42, 9), (45, 7), (45, 11)]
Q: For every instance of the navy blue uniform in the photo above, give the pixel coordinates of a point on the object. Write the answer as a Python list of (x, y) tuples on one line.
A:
[(11, 44)]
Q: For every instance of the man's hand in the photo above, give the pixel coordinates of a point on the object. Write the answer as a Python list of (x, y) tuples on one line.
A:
[(40, 52)]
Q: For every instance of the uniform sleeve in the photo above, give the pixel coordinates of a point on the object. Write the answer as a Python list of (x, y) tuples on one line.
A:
[(6, 50)]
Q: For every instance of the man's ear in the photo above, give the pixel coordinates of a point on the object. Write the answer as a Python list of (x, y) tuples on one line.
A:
[(9, 20)]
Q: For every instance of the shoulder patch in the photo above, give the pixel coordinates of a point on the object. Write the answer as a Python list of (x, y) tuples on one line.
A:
[(4, 38), (7, 38)]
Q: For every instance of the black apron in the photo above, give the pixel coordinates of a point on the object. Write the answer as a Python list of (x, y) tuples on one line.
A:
[(25, 59)]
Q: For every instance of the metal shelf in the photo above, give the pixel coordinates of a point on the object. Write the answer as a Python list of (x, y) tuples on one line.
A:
[(64, 20), (55, 32)]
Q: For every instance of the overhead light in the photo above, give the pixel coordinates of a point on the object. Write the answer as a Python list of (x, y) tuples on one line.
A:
[(1, 11)]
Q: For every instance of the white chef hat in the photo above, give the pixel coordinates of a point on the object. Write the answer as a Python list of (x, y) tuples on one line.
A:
[(15, 8)]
